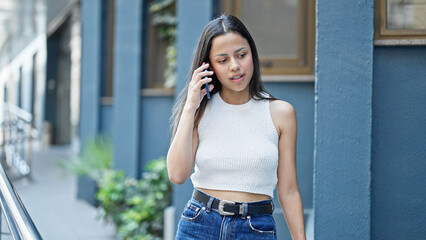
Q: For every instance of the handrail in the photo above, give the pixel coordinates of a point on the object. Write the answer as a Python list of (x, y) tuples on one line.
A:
[(16, 135), (20, 224), (20, 113)]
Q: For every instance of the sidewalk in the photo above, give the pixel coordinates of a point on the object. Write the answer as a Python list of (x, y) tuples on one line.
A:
[(50, 198)]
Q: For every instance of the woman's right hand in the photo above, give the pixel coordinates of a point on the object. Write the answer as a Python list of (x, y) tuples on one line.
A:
[(195, 94)]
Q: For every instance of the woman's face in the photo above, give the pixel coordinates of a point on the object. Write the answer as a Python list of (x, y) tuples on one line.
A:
[(231, 60)]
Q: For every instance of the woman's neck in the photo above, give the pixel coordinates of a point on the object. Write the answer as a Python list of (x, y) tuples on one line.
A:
[(235, 98)]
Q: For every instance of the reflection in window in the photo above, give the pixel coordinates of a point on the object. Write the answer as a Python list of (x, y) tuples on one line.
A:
[(284, 32), (406, 14), (162, 52), (271, 32)]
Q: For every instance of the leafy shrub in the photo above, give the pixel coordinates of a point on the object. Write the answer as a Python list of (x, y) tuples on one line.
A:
[(136, 206)]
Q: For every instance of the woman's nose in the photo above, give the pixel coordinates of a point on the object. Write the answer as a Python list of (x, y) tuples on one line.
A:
[(234, 66)]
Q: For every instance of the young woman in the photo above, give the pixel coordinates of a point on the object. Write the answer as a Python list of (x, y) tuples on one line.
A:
[(241, 140)]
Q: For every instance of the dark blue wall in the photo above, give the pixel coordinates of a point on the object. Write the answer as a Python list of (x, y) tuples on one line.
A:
[(343, 121), (90, 84), (128, 55), (398, 199), (90, 68), (106, 119), (155, 134)]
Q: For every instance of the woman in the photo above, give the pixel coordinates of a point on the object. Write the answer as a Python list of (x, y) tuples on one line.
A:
[(241, 140)]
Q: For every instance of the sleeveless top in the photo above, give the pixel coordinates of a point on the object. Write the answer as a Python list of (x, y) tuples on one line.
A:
[(237, 148)]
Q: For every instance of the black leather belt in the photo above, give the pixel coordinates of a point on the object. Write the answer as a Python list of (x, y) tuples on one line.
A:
[(227, 208)]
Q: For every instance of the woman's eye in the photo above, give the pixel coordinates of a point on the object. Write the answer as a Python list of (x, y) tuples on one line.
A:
[(222, 61), (242, 55)]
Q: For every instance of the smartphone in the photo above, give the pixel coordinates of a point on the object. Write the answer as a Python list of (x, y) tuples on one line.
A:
[(207, 86)]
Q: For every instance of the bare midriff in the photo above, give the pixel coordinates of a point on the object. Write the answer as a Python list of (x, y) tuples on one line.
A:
[(235, 196)]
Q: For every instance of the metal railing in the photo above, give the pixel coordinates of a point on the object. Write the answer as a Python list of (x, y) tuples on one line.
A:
[(19, 221), (16, 135)]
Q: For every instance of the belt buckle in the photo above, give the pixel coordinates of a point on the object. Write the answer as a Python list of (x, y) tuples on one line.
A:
[(222, 205)]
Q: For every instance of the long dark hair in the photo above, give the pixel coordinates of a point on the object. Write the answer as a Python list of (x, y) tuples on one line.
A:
[(216, 27)]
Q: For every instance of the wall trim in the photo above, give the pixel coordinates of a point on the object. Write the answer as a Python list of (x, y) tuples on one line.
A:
[(288, 78), (400, 42), (157, 92)]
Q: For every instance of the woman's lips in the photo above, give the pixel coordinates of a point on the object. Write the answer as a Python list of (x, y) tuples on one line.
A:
[(237, 78)]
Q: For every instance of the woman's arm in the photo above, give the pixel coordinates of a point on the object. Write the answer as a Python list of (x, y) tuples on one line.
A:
[(181, 154), (180, 157), (284, 117)]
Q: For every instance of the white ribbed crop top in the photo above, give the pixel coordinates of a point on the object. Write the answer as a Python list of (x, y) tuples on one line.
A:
[(237, 148)]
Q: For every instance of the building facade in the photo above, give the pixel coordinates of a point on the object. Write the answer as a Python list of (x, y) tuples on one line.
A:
[(361, 115), (353, 70)]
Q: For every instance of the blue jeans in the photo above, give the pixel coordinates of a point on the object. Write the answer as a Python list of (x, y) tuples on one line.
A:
[(199, 222)]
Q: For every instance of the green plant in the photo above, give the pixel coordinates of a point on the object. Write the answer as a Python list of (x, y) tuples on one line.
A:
[(112, 195), (164, 19), (136, 206)]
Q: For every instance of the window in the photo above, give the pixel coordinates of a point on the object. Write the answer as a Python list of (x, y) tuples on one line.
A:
[(161, 35), (400, 19), (284, 32), (156, 62), (108, 16)]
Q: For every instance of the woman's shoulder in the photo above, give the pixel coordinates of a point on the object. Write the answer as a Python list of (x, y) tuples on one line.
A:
[(281, 107), (283, 114)]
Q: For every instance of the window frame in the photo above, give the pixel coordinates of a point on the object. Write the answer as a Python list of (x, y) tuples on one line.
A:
[(304, 63), (380, 31)]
